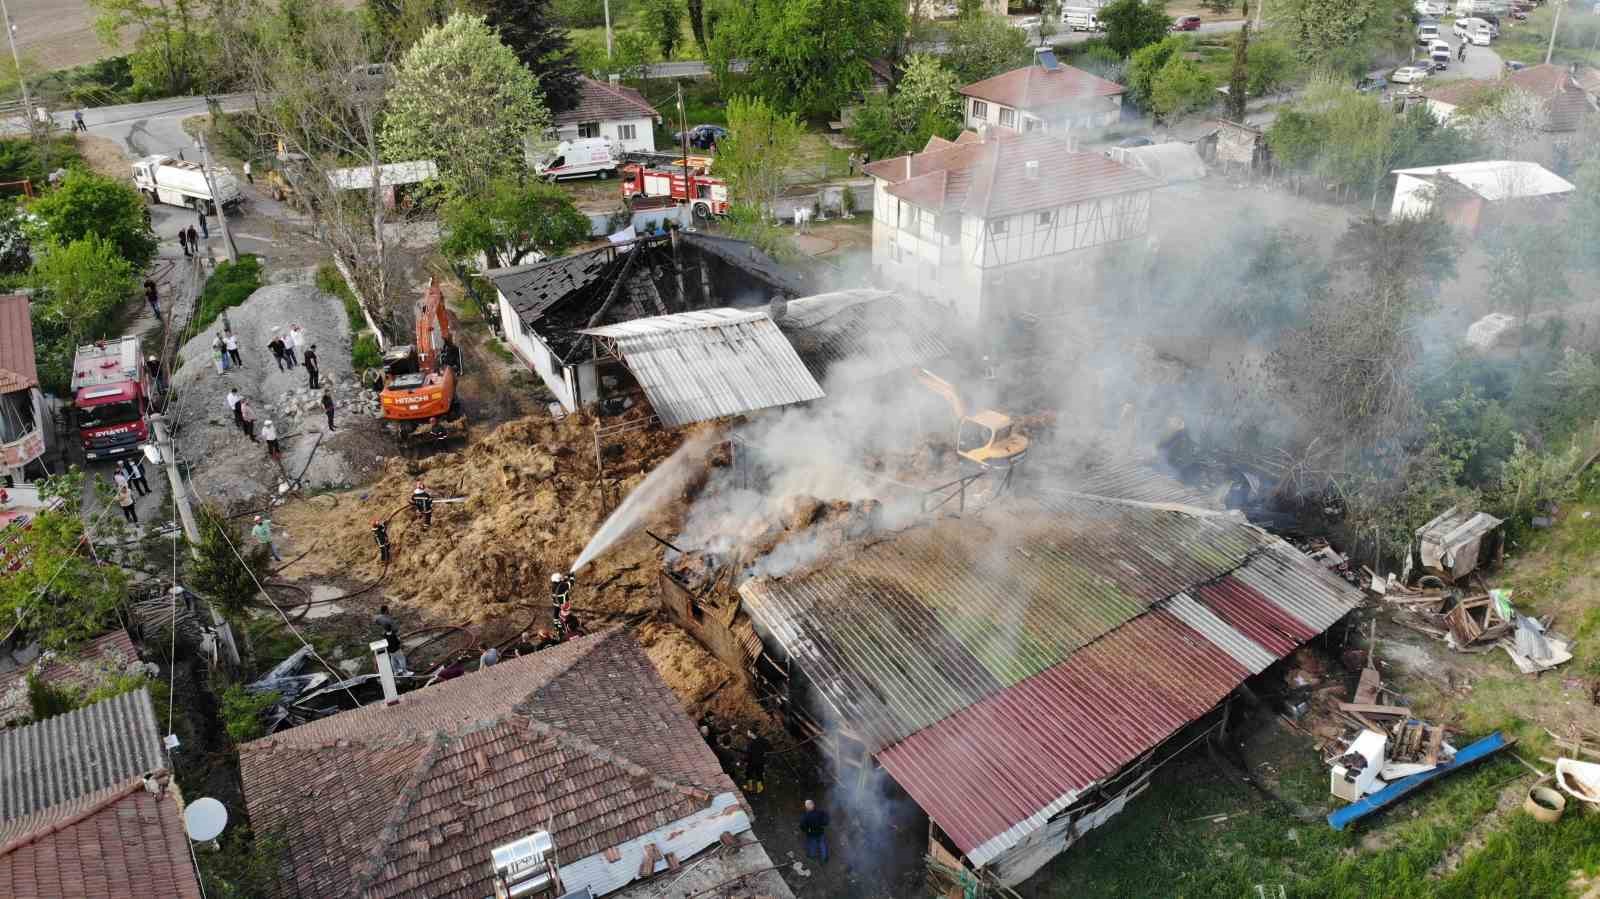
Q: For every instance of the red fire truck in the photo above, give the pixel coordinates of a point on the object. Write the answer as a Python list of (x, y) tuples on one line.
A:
[(708, 196), (110, 398)]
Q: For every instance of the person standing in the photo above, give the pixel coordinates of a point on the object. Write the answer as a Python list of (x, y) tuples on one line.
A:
[(125, 499), (269, 433), (380, 533), (136, 475), (77, 121), (422, 502), (814, 824), (221, 349), (152, 366), (291, 343), (119, 477), (755, 762), (205, 230), (249, 177), (232, 344), (262, 531), (247, 416), (276, 346), (194, 240), (233, 398), (152, 297), (391, 637), (313, 369), (327, 408), (183, 241)]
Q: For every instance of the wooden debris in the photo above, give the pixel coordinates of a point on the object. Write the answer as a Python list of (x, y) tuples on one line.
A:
[(1366, 708)]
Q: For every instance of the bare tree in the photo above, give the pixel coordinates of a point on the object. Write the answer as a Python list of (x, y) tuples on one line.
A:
[(320, 78)]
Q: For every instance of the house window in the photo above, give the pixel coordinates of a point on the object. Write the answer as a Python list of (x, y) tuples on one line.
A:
[(997, 228), (627, 132), (908, 217), (1046, 219), (1008, 118), (588, 129), (980, 110), (1031, 124)]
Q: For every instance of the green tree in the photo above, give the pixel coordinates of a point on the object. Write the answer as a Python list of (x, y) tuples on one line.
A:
[(1345, 35), (531, 30), (462, 98), (218, 574), (510, 221), (1527, 267), (1239, 76), (87, 203), (663, 21), (925, 104), (697, 24), (168, 49), (762, 144), (1270, 68), (633, 52), (1146, 64), (810, 56), (1295, 138), (1222, 7), (82, 286), (1585, 214), (1131, 24), (59, 594), (982, 46), (242, 710), (1180, 88)]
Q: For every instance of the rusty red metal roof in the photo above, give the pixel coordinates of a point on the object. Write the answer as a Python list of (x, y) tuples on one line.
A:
[(1035, 89), (1002, 663), (18, 370)]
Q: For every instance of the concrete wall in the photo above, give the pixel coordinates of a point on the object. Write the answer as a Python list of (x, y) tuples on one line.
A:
[(1092, 113), (600, 222), (710, 626), (829, 197), (532, 351)]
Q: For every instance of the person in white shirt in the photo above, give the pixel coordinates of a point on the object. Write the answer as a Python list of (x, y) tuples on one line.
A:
[(269, 433), (232, 344)]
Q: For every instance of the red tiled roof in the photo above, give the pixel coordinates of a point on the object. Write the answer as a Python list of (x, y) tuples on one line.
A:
[(584, 740), (1543, 80), (119, 843), (17, 367), (989, 177), (1034, 87), (1456, 93), (68, 669), (601, 102)]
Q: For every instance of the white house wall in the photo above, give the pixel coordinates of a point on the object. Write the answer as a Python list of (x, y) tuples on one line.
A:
[(532, 351), (1092, 113), (644, 140)]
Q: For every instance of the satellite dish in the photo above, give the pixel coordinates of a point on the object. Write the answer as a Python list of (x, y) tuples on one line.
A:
[(204, 819)]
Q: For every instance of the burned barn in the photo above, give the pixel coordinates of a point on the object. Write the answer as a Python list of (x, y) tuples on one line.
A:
[(544, 306), (1019, 670)]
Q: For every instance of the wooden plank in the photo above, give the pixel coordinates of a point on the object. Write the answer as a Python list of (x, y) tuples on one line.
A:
[(1367, 689), (1435, 738), (1368, 708), (651, 854)]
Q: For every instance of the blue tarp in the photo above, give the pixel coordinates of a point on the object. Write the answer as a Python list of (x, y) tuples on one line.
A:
[(1403, 787)]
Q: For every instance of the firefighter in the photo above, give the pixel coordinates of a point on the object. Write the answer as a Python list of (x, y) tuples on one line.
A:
[(422, 502), (380, 533), (755, 762), (567, 624)]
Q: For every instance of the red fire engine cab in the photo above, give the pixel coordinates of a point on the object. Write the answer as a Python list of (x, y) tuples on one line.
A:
[(706, 195)]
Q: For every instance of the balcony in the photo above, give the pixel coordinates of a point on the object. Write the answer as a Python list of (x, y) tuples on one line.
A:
[(19, 452)]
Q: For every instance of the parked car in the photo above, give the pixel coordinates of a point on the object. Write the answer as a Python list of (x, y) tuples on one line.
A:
[(1369, 84), (701, 137), (1186, 23), (1408, 75)]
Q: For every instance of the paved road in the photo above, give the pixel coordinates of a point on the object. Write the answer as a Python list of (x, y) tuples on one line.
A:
[(1481, 63)]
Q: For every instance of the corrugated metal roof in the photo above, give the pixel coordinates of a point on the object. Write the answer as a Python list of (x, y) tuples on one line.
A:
[(68, 756), (857, 335), (1012, 658), (996, 771), (360, 177), (696, 366), (533, 288)]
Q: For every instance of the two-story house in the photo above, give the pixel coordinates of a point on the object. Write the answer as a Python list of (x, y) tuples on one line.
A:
[(990, 225), (610, 110), (1045, 96), (24, 417)]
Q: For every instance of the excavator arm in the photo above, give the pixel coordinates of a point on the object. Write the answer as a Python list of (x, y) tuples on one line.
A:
[(433, 327), (944, 388)]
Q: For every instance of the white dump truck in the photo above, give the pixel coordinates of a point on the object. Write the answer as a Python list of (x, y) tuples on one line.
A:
[(180, 183)]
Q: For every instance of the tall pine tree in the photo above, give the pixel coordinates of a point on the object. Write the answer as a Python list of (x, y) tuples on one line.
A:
[(1239, 78), (530, 29)]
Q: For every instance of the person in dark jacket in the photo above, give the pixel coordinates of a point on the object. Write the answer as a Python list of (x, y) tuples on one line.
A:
[(380, 533), (814, 824), (205, 229), (152, 297), (755, 762), (313, 371), (327, 408), (194, 239), (183, 241), (276, 346), (422, 502)]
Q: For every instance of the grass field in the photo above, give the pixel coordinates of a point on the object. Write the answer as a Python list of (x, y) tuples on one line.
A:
[(1575, 42)]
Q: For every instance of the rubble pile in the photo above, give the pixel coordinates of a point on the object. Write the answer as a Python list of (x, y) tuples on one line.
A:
[(349, 398), (755, 542)]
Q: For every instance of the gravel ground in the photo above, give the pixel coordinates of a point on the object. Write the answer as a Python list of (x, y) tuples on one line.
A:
[(227, 467)]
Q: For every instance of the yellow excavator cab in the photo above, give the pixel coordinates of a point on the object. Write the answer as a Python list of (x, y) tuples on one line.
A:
[(986, 437)]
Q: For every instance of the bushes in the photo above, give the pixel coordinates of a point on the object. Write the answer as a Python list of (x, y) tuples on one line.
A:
[(241, 712), (365, 354), (47, 701), (230, 285), (330, 282)]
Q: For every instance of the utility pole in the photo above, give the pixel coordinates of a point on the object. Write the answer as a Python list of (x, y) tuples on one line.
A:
[(608, 27), (167, 457), (22, 81), (211, 186), (683, 144), (1554, 26)]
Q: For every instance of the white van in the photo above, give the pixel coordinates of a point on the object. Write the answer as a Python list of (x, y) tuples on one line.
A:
[(1080, 18), (576, 159), (1426, 32), (1474, 31)]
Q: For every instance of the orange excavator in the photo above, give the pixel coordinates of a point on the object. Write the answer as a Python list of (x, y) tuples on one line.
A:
[(419, 380)]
